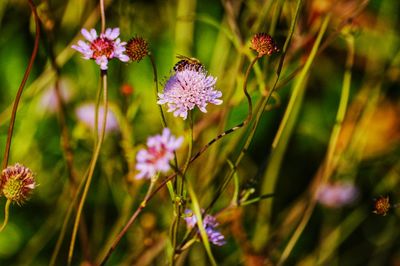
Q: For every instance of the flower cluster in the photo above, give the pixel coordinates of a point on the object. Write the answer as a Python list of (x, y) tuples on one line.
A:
[(187, 89), (155, 158), (102, 48), (263, 44), (209, 223), (137, 49), (337, 195), (17, 183)]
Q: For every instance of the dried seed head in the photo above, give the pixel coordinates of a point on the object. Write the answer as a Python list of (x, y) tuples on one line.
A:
[(17, 183), (137, 49), (263, 44), (382, 205)]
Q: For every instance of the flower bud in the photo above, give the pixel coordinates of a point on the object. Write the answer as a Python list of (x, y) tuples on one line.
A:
[(17, 183), (263, 44), (137, 49)]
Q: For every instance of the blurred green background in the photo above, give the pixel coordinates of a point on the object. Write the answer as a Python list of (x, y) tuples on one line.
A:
[(218, 33)]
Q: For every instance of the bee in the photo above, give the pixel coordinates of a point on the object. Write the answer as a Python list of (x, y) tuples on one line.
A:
[(185, 61)]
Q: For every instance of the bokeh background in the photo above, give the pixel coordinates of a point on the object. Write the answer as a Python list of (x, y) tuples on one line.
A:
[(218, 33)]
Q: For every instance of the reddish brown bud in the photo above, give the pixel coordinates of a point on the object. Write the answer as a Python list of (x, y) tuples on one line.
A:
[(137, 49), (263, 44), (382, 205)]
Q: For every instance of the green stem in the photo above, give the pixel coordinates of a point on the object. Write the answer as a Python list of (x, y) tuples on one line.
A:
[(6, 211), (21, 86), (91, 167), (178, 205), (293, 240)]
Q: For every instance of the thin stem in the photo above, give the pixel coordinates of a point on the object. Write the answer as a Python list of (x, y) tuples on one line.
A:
[(150, 193), (245, 122), (153, 65), (179, 207), (103, 16), (21, 86), (91, 166), (293, 240), (6, 212), (65, 222)]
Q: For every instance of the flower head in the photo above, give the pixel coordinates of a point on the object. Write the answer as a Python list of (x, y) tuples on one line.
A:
[(382, 205), (17, 183), (187, 89), (137, 49), (155, 158), (86, 114), (263, 44), (102, 48), (337, 195), (209, 223)]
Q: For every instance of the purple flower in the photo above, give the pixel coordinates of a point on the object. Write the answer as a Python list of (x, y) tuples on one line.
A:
[(187, 89), (209, 223), (102, 48), (86, 114), (337, 195), (155, 158)]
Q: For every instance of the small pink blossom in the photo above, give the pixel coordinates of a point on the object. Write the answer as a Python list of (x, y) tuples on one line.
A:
[(155, 158), (337, 195), (102, 48), (187, 89)]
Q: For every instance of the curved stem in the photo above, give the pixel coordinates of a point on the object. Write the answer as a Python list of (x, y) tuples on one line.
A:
[(6, 211), (245, 122), (22, 85), (91, 167)]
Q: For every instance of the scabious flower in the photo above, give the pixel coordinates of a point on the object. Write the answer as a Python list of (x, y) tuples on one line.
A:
[(102, 48), (263, 44), (209, 223), (137, 49), (86, 114), (17, 183), (336, 195), (187, 89), (155, 158)]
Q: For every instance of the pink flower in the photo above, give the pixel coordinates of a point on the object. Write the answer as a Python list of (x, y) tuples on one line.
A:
[(86, 114), (155, 158), (187, 89), (102, 48), (337, 195)]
